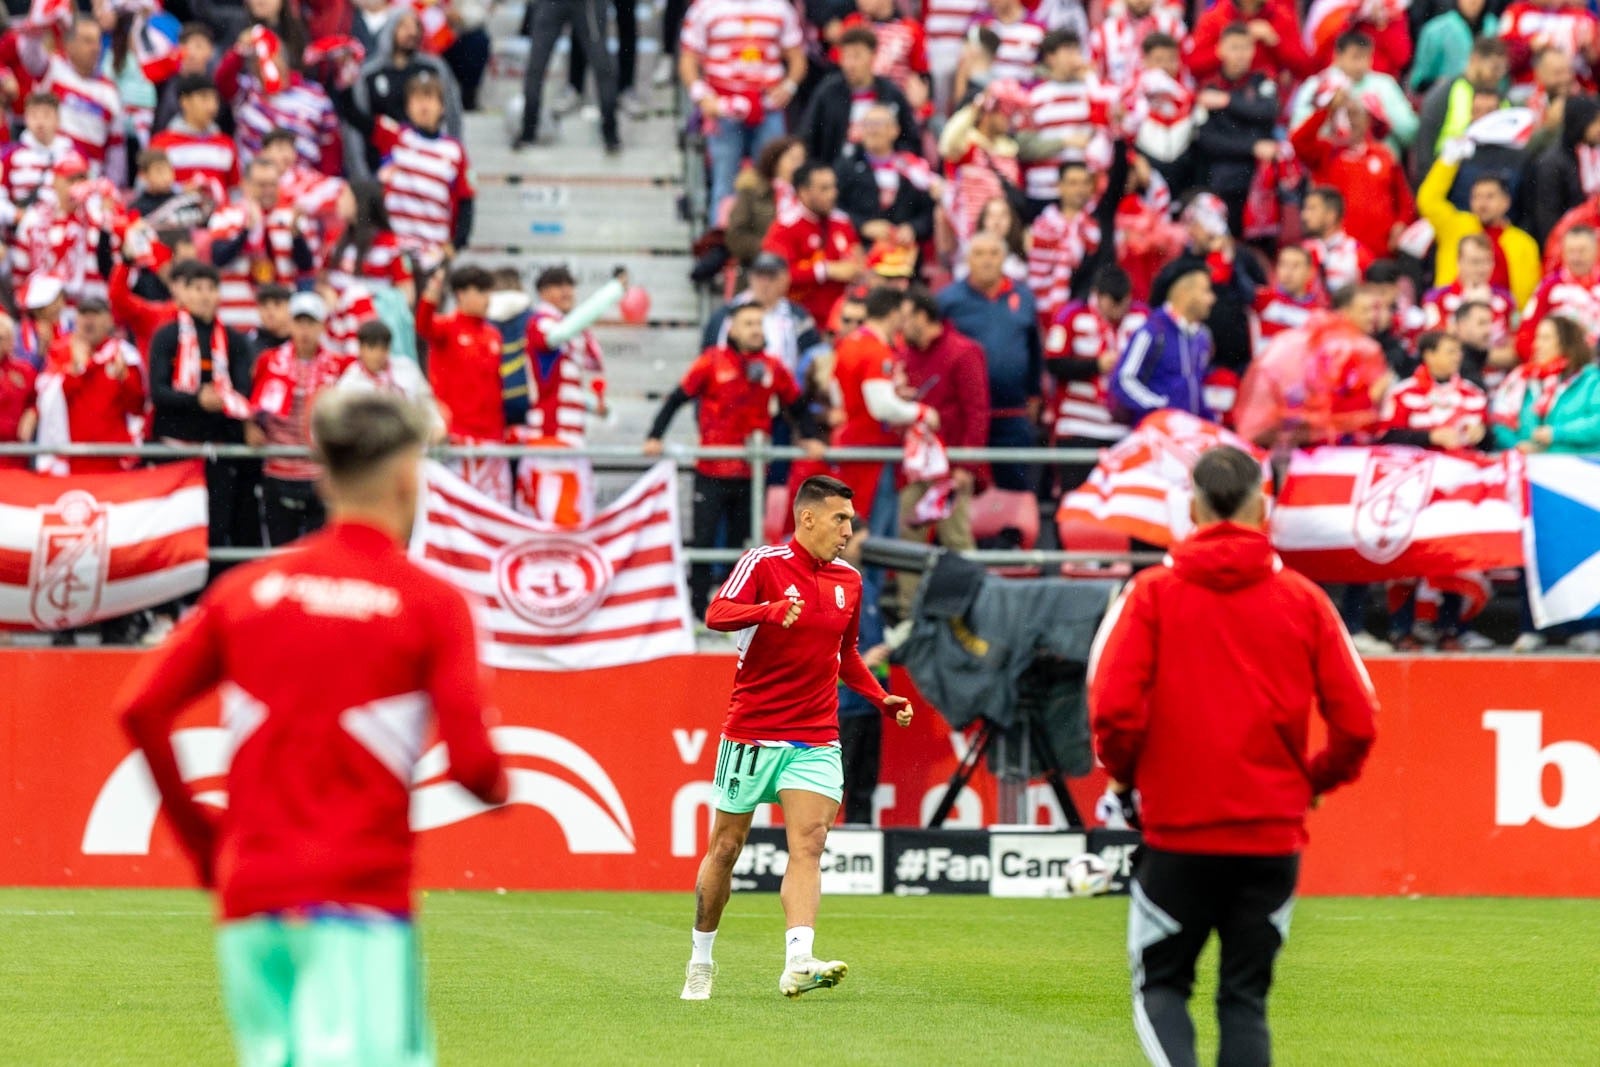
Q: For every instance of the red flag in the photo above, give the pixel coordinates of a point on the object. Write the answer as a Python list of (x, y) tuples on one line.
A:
[(89, 547), (1371, 514), (1141, 485), (606, 593)]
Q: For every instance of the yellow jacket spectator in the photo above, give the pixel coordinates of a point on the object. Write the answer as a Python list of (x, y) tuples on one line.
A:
[(1516, 259)]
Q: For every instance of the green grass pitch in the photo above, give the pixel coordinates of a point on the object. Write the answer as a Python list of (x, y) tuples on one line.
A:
[(126, 977)]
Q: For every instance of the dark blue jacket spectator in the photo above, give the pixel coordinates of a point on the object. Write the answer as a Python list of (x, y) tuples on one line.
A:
[(1164, 363)]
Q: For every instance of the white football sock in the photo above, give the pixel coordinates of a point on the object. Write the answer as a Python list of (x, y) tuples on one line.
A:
[(797, 941), (702, 946)]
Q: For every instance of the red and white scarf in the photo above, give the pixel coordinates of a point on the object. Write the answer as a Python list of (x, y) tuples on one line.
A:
[(1547, 382), (186, 373)]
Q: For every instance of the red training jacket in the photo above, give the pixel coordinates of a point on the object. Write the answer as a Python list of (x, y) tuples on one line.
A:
[(331, 662), (786, 688), (141, 317), (1201, 688), (464, 370)]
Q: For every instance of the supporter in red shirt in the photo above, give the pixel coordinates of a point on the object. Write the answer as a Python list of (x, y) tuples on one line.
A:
[(1572, 290), (367, 249), (1080, 349), (19, 412), (26, 163), (202, 156), (1434, 408), (92, 112), (818, 242), (1288, 303), (255, 242), (1475, 258), (875, 415), (902, 54), (1340, 259), (166, 264), (1280, 53), (464, 370), (1342, 144), (103, 385), (734, 385)]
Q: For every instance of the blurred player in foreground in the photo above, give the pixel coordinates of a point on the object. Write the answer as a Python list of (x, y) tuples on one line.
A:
[(329, 661), (1201, 686), (797, 610)]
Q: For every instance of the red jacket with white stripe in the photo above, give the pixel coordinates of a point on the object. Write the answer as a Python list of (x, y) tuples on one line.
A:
[(1227, 767), (333, 663), (786, 688)]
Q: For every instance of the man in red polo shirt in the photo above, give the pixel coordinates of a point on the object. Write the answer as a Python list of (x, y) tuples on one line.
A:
[(734, 384), (464, 370), (818, 242), (796, 610)]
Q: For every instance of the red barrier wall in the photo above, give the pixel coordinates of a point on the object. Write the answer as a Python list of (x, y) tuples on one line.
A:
[(1485, 780)]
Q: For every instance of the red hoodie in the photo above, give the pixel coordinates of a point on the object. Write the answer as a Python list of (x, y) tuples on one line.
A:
[(1201, 688)]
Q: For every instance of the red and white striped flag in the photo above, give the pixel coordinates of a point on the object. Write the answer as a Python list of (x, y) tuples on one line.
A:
[(1370, 514), (90, 547), (607, 593), (1140, 487)]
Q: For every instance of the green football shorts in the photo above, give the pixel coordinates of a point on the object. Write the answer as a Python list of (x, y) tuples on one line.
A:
[(750, 775), (325, 990)]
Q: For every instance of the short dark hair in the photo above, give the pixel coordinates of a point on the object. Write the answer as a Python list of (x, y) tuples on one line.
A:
[(1157, 40), (192, 30), (1331, 198), (1113, 282), (1056, 40), (353, 433), (1344, 296), (1382, 272), (922, 302), (859, 35), (1352, 39), (93, 305), (273, 293), (553, 276), (374, 334), (151, 157), (883, 301), (42, 98), (507, 278), (190, 84), (1432, 340), (804, 172), (1225, 480), (1071, 164), (470, 277), (280, 135), (1580, 231), (1493, 178), (1235, 29), (425, 83), (202, 272), (817, 488), (1467, 307), (1490, 48)]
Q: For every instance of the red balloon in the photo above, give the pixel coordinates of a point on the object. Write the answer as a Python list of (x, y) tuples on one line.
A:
[(635, 305)]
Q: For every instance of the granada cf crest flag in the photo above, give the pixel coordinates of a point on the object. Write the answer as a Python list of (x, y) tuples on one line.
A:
[(1370, 514), (91, 547), (564, 598), (1140, 487)]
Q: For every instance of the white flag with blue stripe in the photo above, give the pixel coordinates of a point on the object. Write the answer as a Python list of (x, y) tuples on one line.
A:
[(1563, 539)]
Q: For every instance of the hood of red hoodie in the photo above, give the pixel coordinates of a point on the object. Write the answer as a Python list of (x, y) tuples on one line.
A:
[(1225, 556)]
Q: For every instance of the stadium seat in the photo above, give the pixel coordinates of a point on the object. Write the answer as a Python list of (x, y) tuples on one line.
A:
[(1088, 537), (995, 510)]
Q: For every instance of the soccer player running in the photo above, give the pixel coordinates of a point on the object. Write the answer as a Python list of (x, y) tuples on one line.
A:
[(328, 661), (796, 608), (1201, 686)]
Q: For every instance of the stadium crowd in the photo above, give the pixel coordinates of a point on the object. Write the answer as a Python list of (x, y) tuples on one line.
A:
[(977, 222)]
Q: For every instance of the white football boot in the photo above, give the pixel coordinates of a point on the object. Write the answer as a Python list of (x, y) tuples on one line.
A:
[(697, 981), (805, 973)]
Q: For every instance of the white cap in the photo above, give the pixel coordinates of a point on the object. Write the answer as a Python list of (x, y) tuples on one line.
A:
[(42, 291), (308, 305)]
